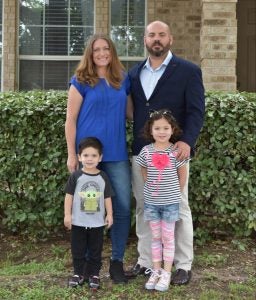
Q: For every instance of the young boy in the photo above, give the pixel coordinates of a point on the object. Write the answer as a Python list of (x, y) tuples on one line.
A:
[(88, 195)]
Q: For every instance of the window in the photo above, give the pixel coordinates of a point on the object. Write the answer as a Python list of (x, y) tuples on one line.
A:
[(52, 34), (127, 29)]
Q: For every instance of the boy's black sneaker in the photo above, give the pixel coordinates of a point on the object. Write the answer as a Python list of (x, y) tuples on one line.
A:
[(75, 280), (116, 271), (94, 282)]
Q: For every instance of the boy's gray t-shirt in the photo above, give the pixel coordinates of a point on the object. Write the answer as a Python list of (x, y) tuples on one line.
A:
[(89, 192)]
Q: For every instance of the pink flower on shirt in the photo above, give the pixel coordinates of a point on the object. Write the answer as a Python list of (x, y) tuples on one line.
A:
[(160, 161)]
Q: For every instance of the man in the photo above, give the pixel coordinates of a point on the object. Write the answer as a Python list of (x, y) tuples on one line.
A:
[(165, 81)]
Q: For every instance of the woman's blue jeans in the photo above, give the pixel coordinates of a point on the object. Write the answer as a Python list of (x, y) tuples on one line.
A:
[(119, 174)]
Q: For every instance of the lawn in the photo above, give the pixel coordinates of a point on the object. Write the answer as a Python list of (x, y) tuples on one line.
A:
[(223, 269)]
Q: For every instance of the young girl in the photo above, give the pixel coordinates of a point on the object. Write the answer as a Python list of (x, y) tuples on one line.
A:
[(164, 178)]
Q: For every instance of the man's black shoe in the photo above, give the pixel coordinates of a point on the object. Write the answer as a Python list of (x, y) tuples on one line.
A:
[(135, 271), (180, 277)]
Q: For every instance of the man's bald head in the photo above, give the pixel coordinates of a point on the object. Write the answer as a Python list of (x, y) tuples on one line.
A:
[(157, 24)]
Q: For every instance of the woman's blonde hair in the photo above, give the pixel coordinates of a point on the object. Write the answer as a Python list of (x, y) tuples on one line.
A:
[(86, 71)]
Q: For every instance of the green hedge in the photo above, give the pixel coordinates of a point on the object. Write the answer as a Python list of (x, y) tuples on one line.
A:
[(33, 164), (32, 161), (222, 185)]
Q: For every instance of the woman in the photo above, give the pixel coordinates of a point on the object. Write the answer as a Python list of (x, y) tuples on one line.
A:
[(97, 106)]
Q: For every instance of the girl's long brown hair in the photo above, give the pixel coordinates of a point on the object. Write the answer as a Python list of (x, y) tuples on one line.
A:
[(86, 71)]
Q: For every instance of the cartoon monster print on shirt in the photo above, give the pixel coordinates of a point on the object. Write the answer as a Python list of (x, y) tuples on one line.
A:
[(90, 197)]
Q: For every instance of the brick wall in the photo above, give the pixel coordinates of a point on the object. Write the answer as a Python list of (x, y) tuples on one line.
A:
[(9, 45), (102, 16), (184, 19), (218, 44), (204, 32)]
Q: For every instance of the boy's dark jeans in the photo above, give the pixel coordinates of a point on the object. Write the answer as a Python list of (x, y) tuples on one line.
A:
[(85, 239)]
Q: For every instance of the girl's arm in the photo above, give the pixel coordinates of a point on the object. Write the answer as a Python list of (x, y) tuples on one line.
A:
[(182, 174), (109, 216), (144, 173), (73, 107), (68, 210)]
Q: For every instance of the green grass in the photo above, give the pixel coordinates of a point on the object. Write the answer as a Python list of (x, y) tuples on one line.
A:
[(45, 277), (206, 259), (55, 267), (243, 291), (38, 291), (210, 275), (211, 295)]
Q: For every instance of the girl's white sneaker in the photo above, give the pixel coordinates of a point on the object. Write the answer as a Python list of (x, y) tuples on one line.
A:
[(164, 281), (153, 279)]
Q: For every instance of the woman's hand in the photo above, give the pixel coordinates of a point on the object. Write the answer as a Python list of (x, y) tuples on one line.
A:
[(73, 109), (72, 163)]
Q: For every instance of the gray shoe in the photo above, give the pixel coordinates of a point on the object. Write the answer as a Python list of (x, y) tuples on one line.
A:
[(94, 282), (75, 280)]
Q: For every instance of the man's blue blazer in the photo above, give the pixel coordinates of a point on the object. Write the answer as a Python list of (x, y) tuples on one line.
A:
[(180, 89)]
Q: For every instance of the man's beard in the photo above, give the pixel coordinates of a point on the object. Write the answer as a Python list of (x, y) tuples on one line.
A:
[(159, 52)]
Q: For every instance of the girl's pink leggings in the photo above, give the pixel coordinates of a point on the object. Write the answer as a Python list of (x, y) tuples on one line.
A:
[(163, 243)]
